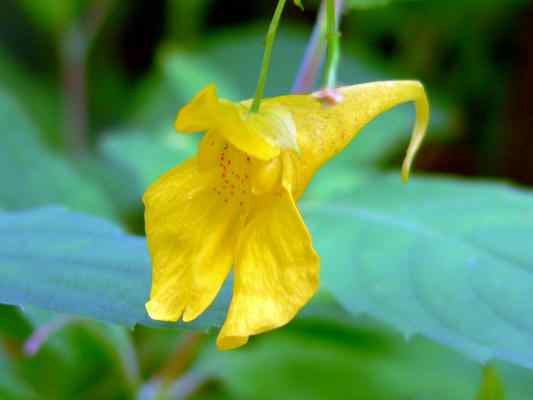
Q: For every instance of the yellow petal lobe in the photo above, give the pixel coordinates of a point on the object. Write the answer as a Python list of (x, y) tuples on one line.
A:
[(275, 124), (197, 116), (276, 271), (190, 239), (262, 135), (266, 176), (237, 126)]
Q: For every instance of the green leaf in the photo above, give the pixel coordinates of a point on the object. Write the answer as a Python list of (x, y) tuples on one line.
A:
[(366, 4), (91, 360), (447, 259), (491, 386), (31, 175), (12, 323), (35, 93), (11, 386), (298, 3), (130, 161), (78, 265), (147, 156), (316, 360), (52, 16), (74, 264), (155, 345), (186, 18), (177, 78), (116, 343)]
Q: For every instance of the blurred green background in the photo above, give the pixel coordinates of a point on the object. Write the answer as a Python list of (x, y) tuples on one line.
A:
[(88, 93)]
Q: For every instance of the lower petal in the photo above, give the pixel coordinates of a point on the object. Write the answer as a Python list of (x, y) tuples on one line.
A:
[(276, 271), (189, 233)]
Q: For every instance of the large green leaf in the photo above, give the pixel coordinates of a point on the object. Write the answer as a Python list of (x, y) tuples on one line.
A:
[(31, 175), (447, 259), (313, 359), (75, 264)]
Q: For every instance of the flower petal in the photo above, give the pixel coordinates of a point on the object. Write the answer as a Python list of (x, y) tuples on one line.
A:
[(198, 114), (240, 128), (209, 149), (325, 130), (262, 135), (274, 123), (190, 237), (276, 271)]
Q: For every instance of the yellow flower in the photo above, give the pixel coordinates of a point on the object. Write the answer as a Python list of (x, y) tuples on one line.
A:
[(233, 205)]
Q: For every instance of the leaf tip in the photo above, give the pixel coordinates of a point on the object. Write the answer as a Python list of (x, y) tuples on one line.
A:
[(298, 3)]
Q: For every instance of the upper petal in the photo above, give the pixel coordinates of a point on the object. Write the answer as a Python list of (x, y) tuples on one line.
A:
[(275, 124), (276, 271), (262, 135), (190, 237), (324, 131), (240, 128), (198, 114)]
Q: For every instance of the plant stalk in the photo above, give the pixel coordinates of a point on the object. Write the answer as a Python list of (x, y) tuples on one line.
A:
[(74, 48), (267, 56), (333, 51)]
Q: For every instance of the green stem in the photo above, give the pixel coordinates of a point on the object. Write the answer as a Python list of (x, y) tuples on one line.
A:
[(269, 44), (75, 46), (333, 54)]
